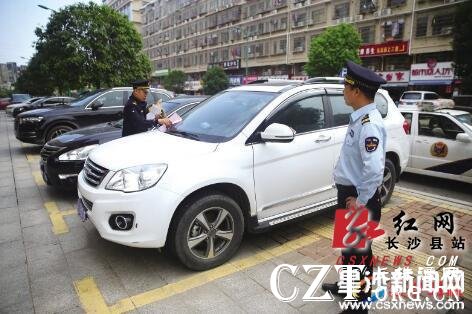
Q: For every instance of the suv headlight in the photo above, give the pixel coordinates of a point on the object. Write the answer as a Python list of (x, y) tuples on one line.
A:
[(77, 154), (31, 119), (136, 178)]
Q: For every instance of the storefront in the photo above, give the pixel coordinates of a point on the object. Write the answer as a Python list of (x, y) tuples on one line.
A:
[(433, 76), (397, 82), (378, 57)]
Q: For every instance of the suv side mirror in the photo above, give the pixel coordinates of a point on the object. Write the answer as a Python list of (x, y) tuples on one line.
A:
[(277, 132), (464, 138), (97, 104)]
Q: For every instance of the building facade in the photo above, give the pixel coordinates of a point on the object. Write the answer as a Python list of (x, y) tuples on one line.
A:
[(271, 38), (129, 8)]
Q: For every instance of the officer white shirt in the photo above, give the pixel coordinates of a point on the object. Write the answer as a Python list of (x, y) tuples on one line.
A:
[(362, 158)]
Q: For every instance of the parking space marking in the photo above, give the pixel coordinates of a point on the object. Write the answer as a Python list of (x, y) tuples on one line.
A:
[(90, 295), (38, 178), (32, 158), (59, 225)]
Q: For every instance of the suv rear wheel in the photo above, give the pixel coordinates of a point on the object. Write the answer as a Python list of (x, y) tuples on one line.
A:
[(57, 130), (208, 231), (388, 182)]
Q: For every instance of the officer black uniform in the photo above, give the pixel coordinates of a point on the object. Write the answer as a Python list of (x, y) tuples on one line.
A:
[(134, 113), (359, 171)]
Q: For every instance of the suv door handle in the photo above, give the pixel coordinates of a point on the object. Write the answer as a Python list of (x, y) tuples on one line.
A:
[(322, 138)]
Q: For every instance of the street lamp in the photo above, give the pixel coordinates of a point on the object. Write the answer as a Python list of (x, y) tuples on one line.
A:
[(46, 8)]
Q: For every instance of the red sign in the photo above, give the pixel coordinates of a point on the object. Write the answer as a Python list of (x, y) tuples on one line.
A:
[(389, 48)]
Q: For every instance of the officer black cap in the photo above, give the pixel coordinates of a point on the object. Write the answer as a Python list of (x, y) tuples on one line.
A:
[(362, 77), (140, 84)]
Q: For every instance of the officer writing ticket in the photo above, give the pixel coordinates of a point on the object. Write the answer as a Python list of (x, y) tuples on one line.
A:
[(174, 118)]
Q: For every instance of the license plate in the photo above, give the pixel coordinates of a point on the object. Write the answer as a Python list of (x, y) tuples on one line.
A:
[(81, 210)]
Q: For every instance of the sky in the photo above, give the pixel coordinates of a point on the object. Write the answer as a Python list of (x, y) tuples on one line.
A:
[(18, 20)]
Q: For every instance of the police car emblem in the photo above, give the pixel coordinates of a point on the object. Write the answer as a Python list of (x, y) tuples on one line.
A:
[(351, 133), (371, 144), (439, 149)]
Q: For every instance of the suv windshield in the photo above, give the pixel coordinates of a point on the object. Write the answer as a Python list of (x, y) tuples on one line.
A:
[(415, 96), (465, 118), (222, 117), (85, 98)]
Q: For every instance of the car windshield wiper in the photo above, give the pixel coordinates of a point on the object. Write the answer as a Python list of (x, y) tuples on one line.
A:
[(184, 134)]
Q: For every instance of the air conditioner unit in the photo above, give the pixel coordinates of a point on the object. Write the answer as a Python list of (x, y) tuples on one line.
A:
[(387, 11), (337, 21), (360, 17)]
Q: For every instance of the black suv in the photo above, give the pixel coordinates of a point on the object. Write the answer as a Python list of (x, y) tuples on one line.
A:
[(41, 125), (42, 103)]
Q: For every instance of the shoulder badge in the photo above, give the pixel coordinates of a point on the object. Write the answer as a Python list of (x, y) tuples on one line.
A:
[(371, 144), (365, 119)]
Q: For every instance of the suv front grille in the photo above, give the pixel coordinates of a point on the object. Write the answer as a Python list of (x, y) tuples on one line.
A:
[(48, 150), (93, 173)]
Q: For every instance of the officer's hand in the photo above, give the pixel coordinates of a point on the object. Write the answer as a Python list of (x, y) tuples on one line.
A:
[(165, 121), (351, 202)]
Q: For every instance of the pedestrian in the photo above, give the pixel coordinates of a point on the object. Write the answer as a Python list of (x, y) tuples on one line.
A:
[(359, 171), (135, 110)]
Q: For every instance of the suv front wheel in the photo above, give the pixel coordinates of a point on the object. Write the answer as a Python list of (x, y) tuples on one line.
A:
[(56, 131), (207, 232)]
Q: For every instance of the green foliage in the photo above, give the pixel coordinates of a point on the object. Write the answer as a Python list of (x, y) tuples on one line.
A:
[(35, 79), (4, 92), (175, 81), (214, 81), (462, 45), (330, 50), (91, 45)]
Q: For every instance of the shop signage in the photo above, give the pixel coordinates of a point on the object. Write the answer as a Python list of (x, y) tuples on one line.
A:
[(395, 76), (193, 85), (235, 80), (383, 49), (432, 70), (227, 65)]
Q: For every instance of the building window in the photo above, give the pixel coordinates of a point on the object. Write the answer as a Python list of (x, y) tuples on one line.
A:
[(393, 30), (299, 44), (442, 24), (366, 6), (341, 10), (395, 3), (299, 19), (421, 26), (318, 16), (367, 34)]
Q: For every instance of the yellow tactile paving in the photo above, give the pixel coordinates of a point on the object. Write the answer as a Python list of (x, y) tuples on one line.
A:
[(38, 178)]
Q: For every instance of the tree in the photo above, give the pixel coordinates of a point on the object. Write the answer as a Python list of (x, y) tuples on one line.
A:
[(35, 79), (214, 81), (175, 81), (88, 44), (462, 45), (330, 50)]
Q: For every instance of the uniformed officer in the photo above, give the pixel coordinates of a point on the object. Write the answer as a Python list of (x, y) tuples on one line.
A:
[(359, 170), (134, 112)]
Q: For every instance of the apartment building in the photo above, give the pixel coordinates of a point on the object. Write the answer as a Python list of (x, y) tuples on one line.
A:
[(406, 41), (130, 8)]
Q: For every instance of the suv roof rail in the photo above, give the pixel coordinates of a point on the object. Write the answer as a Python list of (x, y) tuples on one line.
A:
[(324, 80)]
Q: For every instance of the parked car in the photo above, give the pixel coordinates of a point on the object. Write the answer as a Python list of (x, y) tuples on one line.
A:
[(9, 108), (463, 102), (47, 102), (4, 102), (441, 143), (249, 158), (41, 125), (19, 98), (63, 157), (426, 100)]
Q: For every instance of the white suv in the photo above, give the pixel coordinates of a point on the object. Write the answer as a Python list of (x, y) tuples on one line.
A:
[(248, 158)]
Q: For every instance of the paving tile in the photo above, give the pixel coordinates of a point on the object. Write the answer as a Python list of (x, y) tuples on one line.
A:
[(48, 251), (8, 201), (239, 285), (47, 266), (14, 287), (24, 307), (10, 231), (34, 217), (61, 302), (264, 303), (39, 235), (9, 215), (12, 254)]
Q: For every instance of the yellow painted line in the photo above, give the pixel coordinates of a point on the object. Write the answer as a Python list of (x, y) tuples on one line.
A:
[(59, 225), (38, 178), (32, 158), (90, 297), (93, 302)]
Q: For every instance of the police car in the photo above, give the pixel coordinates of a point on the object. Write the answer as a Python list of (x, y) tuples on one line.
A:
[(248, 158), (440, 141)]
